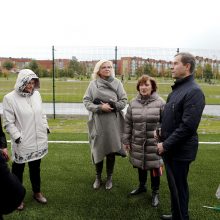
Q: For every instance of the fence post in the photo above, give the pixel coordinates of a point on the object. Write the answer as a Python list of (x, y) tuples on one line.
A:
[(53, 68)]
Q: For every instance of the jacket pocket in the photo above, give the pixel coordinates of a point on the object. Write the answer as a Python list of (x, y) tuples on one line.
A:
[(92, 129)]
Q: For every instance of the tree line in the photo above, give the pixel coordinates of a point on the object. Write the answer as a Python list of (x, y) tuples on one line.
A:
[(76, 69)]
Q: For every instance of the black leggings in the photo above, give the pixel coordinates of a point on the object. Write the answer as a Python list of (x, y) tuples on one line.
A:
[(34, 173), (155, 180), (110, 162)]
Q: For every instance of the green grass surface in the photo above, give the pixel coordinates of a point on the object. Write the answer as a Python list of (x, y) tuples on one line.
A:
[(69, 90), (68, 175)]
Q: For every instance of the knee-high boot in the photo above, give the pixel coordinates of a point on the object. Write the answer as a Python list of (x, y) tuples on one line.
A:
[(98, 180), (110, 162), (155, 183)]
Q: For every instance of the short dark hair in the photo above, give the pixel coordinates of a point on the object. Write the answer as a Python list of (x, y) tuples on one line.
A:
[(143, 80), (187, 58)]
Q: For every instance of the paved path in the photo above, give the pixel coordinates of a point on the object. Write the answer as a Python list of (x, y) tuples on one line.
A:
[(79, 109)]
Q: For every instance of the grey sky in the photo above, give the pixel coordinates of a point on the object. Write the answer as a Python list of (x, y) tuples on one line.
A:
[(31, 27)]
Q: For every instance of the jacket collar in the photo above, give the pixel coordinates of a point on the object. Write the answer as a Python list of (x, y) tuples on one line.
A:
[(151, 98), (179, 82)]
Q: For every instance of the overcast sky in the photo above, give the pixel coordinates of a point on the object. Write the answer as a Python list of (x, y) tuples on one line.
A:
[(35, 25)]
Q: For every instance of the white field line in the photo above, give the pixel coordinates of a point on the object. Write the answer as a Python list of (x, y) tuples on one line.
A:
[(86, 142), (64, 142)]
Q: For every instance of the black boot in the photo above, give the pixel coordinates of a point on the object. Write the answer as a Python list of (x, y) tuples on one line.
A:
[(98, 179), (110, 163), (155, 198), (142, 175), (98, 182), (108, 184), (140, 189)]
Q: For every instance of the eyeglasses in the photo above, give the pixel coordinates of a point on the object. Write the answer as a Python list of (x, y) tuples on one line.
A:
[(106, 67)]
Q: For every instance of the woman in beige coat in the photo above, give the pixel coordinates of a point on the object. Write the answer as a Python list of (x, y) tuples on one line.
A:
[(105, 98), (142, 118)]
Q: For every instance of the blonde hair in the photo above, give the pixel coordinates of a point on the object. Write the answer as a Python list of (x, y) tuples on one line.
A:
[(97, 67)]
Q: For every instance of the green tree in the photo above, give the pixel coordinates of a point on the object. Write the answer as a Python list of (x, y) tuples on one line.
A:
[(76, 69), (208, 74), (73, 68), (167, 72), (150, 70), (8, 65), (44, 73), (33, 65), (139, 71), (147, 69), (199, 72)]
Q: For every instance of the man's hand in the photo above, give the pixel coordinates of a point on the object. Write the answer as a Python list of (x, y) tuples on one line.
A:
[(160, 148)]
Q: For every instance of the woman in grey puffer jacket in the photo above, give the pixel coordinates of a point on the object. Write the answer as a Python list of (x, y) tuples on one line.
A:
[(142, 118)]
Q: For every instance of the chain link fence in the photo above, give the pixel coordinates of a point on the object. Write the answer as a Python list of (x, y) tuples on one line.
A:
[(65, 71)]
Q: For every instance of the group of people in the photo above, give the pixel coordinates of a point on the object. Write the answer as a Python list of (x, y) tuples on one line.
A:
[(153, 133)]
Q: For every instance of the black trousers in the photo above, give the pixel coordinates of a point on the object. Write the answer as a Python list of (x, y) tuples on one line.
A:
[(155, 180), (177, 173), (34, 173)]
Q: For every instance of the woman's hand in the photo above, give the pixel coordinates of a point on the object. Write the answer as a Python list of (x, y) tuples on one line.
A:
[(127, 147), (106, 107)]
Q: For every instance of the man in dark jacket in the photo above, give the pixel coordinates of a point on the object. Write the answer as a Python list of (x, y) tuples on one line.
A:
[(181, 117), (11, 190)]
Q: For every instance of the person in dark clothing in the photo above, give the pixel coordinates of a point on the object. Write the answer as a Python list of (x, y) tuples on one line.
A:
[(11, 190), (179, 139)]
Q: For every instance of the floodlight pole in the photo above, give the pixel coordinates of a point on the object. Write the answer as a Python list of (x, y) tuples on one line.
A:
[(116, 51), (53, 69)]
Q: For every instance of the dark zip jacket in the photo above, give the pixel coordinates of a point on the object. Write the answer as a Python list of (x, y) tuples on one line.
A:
[(181, 117)]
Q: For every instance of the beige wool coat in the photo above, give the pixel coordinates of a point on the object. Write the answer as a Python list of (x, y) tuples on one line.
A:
[(105, 129), (141, 119)]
